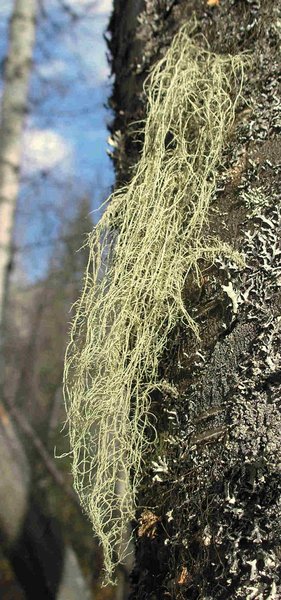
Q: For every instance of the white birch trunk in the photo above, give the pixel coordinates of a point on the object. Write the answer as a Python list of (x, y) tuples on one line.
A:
[(13, 110)]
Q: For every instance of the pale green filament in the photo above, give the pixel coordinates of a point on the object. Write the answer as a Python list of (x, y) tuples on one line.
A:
[(147, 242)]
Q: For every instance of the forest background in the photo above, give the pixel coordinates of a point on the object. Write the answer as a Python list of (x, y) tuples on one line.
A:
[(66, 173)]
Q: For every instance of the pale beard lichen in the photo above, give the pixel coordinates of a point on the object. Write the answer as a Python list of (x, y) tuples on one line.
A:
[(146, 243)]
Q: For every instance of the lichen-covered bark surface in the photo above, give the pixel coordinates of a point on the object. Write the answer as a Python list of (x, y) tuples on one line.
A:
[(209, 509)]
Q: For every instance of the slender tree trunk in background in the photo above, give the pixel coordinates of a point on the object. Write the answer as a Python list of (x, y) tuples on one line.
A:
[(13, 111), (14, 467), (208, 525)]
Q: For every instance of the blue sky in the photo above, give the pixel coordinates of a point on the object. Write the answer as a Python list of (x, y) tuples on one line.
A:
[(65, 141)]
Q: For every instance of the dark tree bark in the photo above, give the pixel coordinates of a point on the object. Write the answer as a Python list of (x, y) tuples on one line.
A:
[(208, 525)]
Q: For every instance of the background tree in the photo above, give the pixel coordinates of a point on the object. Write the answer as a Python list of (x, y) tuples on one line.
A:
[(13, 110), (15, 475)]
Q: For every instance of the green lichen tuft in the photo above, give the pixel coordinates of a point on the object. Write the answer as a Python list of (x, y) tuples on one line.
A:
[(147, 242)]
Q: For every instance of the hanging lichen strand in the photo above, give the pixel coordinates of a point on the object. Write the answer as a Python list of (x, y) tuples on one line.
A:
[(148, 240)]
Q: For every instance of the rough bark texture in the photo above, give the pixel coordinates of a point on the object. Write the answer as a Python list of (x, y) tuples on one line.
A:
[(208, 524), (13, 110)]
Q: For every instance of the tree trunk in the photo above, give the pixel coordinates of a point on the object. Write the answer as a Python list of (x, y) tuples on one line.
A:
[(15, 475), (13, 111), (208, 525)]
